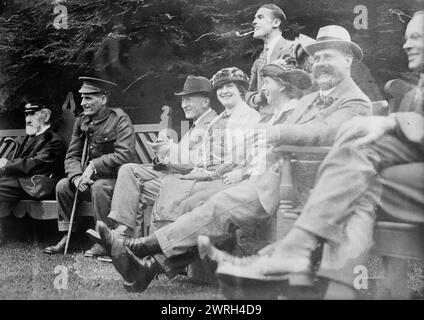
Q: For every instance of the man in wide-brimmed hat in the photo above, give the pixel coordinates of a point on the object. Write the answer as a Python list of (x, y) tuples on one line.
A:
[(37, 164), (172, 158), (108, 135)]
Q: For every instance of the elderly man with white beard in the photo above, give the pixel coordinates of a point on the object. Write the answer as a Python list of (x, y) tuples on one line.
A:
[(38, 162)]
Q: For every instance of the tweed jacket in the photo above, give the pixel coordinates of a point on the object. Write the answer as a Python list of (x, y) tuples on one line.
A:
[(313, 127), (38, 164), (182, 156), (111, 143), (282, 48)]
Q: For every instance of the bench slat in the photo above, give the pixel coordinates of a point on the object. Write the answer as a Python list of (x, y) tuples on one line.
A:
[(148, 148)]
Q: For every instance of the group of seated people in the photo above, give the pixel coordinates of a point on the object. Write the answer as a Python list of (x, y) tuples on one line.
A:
[(222, 175)]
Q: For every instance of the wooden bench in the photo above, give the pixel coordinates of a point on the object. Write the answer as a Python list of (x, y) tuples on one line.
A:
[(395, 242), (47, 209)]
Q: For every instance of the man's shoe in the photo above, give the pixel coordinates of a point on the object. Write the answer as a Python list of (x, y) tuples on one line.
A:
[(148, 268), (58, 248), (212, 257), (296, 270), (137, 273), (94, 236), (122, 232), (108, 237), (96, 251)]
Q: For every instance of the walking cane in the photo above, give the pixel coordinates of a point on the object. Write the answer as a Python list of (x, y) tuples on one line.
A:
[(74, 205)]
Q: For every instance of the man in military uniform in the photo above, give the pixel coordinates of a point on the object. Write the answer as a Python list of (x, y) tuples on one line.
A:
[(110, 140), (37, 165)]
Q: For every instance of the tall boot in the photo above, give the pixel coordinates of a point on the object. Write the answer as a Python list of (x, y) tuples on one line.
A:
[(144, 246), (141, 247)]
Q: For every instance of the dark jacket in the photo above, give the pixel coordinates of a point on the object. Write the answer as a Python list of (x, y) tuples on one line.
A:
[(282, 48), (111, 143), (38, 164)]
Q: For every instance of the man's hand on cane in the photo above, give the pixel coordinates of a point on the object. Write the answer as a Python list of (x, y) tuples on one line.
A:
[(82, 183)]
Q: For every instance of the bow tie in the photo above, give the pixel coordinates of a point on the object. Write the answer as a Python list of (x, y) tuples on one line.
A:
[(323, 102)]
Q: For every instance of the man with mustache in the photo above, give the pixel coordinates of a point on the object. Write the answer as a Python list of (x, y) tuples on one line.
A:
[(38, 163), (108, 135), (268, 26), (376, 160), (314, 122)]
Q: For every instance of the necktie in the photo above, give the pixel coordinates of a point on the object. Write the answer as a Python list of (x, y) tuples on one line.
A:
[(266, 51)]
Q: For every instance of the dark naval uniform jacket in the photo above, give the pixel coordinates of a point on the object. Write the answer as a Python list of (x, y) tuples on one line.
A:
[(38, 164)]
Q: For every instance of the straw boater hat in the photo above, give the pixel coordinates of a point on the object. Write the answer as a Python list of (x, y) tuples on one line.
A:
[(287, 70), (333, 36)]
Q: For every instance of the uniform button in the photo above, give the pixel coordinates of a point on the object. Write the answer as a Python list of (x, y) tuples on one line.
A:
[(91, 134), (91, 147)]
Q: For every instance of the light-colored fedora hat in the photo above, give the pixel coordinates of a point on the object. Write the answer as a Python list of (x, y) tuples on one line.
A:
[(333, 36)]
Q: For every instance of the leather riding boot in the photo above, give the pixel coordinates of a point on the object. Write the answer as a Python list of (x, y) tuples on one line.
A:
[(147, 269), (144, 246)]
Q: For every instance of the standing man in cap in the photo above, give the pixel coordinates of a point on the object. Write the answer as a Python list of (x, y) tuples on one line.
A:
[(38, 162), (381, 159), (110, 140), (314, 122), (137, 180), (268, 26)]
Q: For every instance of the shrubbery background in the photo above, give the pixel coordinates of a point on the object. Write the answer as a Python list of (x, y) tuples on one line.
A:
[(121, 40)]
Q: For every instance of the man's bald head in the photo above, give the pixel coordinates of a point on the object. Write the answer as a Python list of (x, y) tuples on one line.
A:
[(414, 42)]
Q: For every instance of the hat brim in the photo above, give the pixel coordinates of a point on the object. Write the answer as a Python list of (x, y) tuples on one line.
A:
[(35, 110), (192, 92), (320, 45), (87, 91), (244, 83), (298, 78)]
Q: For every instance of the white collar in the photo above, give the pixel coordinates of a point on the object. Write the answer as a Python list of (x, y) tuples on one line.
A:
[(231, 111), (287, 106), (43, 130), (326, 93), (292, 104), (196, 122)]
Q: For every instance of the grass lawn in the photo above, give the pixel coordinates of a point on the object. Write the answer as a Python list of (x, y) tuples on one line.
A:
[(27, 273)]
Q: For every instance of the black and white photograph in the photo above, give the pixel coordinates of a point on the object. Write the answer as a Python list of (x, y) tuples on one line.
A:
[(212, 151)]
